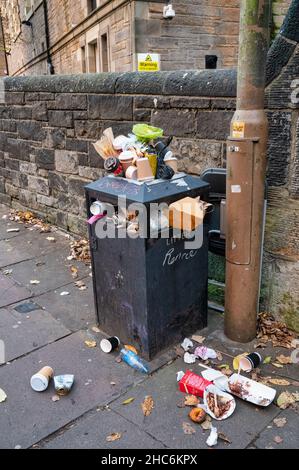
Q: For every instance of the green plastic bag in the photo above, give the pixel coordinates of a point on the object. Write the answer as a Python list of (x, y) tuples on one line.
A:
[(145, 133)]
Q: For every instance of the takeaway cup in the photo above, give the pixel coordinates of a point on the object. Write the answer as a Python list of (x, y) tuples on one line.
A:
[(40, 381)]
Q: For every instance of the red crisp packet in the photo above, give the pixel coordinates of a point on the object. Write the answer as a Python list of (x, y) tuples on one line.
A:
[(193, 384)]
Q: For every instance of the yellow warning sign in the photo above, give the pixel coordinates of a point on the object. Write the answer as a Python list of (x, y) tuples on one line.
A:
[(238, 129), (148, 62)]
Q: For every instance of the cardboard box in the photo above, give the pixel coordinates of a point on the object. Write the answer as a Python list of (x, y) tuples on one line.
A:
[(186, 214), (193, 384)]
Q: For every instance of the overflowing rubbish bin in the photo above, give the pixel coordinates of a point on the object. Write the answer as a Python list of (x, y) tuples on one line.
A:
[(150, 291)]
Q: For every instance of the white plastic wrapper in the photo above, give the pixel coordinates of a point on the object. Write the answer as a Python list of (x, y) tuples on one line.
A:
[(205, 353), (213, 437), (189, 358), (187, 344), (179, 375)]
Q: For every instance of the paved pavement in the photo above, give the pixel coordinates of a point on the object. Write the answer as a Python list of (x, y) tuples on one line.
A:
[(41, 327)]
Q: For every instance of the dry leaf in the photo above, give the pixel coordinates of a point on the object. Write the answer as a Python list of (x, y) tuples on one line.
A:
[(267, 360), (219, 356), (281, 382), (7, 272), (224, 438), (188, 429), (80, 251), (51, 239), (34, 282), (128, 401), (55, 398), (207, 423), (147, 405), (90, 343), (3, 396), (115, 436), (277, 332), (198, 339), (284, 359), (80, 285), (285, 399), (280, 422), (278, 439), (191, 400), (74, 271), (96, 329), (275, 364)]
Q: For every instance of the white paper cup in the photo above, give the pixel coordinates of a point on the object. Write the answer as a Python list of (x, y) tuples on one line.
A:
[(39, 382)]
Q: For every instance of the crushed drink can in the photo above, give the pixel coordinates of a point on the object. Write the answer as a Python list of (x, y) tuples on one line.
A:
[(63, 384)]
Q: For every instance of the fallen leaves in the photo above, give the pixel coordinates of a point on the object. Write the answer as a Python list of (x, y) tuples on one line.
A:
[(147, 405), (131, 348), (207, 424), (188, 429), (191, 400), (115, 436), (287, 399), (81, 285), (96, 329), (128, 401), (74, 272), (90, 343), (3, 396), (80, 251), (267, 360), (280, 422), (281, 382), (55, 398), (224, 438), (276, 332), (198, 339), (51, 239), (27, 217), (284, 359)]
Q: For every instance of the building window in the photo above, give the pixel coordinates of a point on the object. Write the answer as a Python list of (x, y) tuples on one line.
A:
[(104, 53), (93, 59), (211, 61), (13, 19), (83, 59), (91, 6), (30, 6)]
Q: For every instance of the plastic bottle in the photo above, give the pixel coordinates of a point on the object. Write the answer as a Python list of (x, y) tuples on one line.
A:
[(133, 360)]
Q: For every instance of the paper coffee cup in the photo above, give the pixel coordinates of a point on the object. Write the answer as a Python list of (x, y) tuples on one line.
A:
[(250, 362), (131, 173), (108, 345), (172, 163), (39, 382)]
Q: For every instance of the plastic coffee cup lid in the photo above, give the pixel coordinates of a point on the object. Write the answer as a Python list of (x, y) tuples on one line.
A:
[(39, 383)]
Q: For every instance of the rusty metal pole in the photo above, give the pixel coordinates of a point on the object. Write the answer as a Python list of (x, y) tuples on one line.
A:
[(246, 172)]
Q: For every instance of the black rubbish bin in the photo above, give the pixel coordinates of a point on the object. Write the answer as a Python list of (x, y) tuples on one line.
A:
[(150, 292)]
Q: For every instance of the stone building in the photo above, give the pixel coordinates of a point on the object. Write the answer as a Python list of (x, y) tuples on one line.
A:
[(78, 36)]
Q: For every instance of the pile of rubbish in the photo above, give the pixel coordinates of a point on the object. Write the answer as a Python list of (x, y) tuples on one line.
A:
[(139, 156), (217, 388)]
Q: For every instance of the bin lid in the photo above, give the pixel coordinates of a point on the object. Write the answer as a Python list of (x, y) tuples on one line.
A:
[(145, 192)]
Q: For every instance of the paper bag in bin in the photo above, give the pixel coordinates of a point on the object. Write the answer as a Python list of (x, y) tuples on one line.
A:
[(187, 214)]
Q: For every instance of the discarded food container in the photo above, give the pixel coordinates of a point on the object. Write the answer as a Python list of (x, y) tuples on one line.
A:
[(145, 172), (133, 360), (126, 159), (219, 404), (98, 208), (63, 384), (108, 345), (113, 165), (193, 384), (40, 381), (186, 214), (172, 162)]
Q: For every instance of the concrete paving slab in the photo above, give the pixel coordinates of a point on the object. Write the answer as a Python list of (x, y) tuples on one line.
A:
[(6, 225), (11, 291), (24, 333), (27, 246), (28, 417), (90, 432), (80, 315), (165, 422), (52, 270), (289, 433)]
